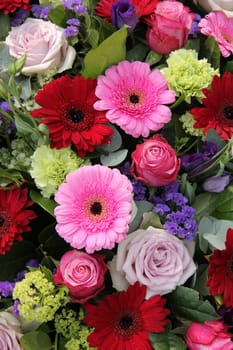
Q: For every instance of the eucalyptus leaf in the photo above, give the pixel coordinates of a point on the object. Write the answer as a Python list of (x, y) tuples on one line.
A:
[(111, 51), (35, 340), (114, 144), (46, 203), (114, 158), (167, 341), (186, 304), (212, 136), (143, 207)]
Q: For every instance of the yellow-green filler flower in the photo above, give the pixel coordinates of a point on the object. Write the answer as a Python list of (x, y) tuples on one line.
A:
[(187, 75), (188, 121), (39, 299), (50, 166)]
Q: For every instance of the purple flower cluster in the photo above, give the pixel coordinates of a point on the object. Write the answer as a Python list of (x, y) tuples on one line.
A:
[(73, 27), (6, 287), (18, 17), (41, 12), (176, 215), (139, 188), (75, 5), (195, 29)]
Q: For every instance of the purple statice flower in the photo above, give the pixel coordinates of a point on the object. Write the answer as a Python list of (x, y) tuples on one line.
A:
[(176, 215), (71, 31), (7, 125), (124, 12), (195, 28), (41, 12), (6, 288), (75, 5), (162, 209), (18, 17), (72, 28), (139, 188), (216, 183)]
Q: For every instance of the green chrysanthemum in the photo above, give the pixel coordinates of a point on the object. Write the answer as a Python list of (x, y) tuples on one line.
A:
[(188, 121), (187, 75), (39, 299), (49, 167)]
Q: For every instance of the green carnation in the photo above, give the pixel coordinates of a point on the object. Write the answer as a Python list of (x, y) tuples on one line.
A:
[(188, 121), (187, 75), (49, 167), (39, 299)]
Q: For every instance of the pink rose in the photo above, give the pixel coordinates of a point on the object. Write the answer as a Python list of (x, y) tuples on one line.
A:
[(82, 273), (153, 257), (210, 335), (169, 26), (155, 162), (44, 44), (10, 332)]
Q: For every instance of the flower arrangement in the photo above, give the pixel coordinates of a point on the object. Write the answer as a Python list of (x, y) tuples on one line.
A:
[(116, 174)]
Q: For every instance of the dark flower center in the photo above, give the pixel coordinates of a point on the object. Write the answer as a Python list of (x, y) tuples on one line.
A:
[(228, 112), (126, 322), (1, 221), (134, 98), (96, 208), (75, 115)]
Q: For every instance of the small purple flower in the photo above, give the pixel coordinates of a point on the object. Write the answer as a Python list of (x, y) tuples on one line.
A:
[(18, 17), (216, 183), (15, 307), (226, 314), (75, 5), (71, 31), (6, 288), (161, 209), (41, 12), (124, 12), (177, 198), (139, 188), (73, 22), (195, 29), (4, 106)]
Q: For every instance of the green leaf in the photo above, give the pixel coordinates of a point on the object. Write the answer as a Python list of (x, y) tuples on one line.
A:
[(212, 136), (202, 276), (35, 340), (153, 58), (4, 26), (185, 303), (8, 176), (205, 204), (47, 204), (58, 16), (53, 244), (114, 158), (14, 260), (137, 53), (111, 51), (212, 52), (167, 341), (224, 204)]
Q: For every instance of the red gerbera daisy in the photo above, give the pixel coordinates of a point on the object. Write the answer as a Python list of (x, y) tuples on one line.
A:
[(67, 109), (220, 272), (124, 320), (14, 217), (143, 7), (218, 111), (12, 5)]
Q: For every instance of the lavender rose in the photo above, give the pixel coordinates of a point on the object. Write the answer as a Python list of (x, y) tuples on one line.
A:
[(43, 43), (82, 273), (10, 332), (155, 258)]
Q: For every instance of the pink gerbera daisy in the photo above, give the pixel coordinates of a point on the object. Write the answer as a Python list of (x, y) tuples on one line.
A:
[(95, 208), (218, 25), (134, 97)]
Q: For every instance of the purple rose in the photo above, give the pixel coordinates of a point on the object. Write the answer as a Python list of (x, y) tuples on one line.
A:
[(123, 12)]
